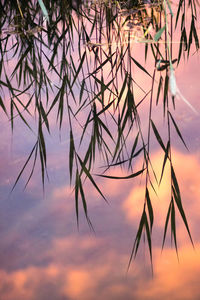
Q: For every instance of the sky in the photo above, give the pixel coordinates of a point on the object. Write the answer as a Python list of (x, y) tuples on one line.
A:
[(43, 255)]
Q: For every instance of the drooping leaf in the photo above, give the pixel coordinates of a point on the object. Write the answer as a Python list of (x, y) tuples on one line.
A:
[(140, 66), (87, 173), (122, 177), (157, 135), (159, 33), (177, 130), (138, 237), (173, 224), (71, 154), (165, 160), (150, 209), (177, 198), (166, 223)]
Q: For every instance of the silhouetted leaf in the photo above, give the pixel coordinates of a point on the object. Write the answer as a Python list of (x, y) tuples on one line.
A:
[(87, 173), (177, 130), (71, 155), (123, 177), (150, 209), (157, 135)]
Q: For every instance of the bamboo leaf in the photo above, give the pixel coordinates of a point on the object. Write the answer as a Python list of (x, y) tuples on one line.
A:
[(79, 68), (105, 86), (137, 238), (122, 90), (133, 149), (175, 182), (103, 63), (102, 111), (159, 89), (123, 177), (166, 223), (44, 10), (170, 9), (196, 37), (177, 198), (81, 91), (77, 185), (44, 116), (71, 155), (166, 88), (140, 66), (165, 160), (122, 162), (2, 105), (177, 130), (83, 198), (159, 33), (173, 224), (150, 209), (23, 168), (42, 150), (157, 135), (87, 173), (148, 233)]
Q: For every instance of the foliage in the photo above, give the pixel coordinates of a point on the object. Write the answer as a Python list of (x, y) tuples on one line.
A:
[(96, 90)]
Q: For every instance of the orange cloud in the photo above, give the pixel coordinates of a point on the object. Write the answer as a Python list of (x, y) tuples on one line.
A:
[(186, 167), (172, 279), (86, 276)]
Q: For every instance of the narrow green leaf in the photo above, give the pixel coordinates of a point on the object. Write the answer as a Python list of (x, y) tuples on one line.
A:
[(102, 64), (77, 184), (150, 209), (79, 68), (122, 89), (140, 66), (157, 135), (177, 198), (83, 197), (177, 130), (159, 89), (13, 104), (44, 116), (71, 155), (23, 168), (196, 37), (105, 86), (123, 177), (166, 224), (2, 105), (173, 224), (182, 213), (122, 162), (166, 89), (87, 173), (148, 233), (165, 160), (159, 33), (44, 10), (103, 110), (137, 238), (42, 150), (175, 182), (81, 91), (133, 149), (170, 9)]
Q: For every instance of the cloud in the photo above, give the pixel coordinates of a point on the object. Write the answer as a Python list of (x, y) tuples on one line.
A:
[(186, 168), (76, 272), (172, 279)]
